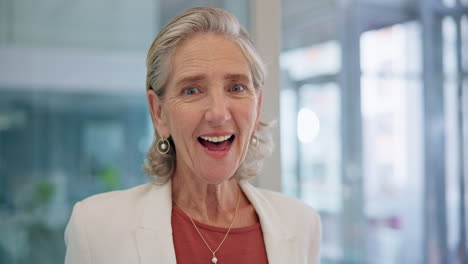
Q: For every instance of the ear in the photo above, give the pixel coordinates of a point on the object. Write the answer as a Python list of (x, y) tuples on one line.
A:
[(157, 114), (259, 107)]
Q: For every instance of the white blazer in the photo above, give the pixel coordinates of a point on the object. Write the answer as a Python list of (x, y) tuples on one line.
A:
[(134, 226)]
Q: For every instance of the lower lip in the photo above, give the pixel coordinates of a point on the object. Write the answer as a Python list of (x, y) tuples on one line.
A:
[(217, 154)]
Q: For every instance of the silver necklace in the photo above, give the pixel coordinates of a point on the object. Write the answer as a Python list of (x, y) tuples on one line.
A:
[(214, 259)]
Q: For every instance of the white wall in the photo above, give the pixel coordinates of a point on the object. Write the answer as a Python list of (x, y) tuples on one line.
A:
[(266, 23)]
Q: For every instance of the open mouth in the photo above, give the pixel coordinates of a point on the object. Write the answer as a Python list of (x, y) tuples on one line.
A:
[(217, 143)]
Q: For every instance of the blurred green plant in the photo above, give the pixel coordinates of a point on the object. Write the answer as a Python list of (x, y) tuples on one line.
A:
[(44, 192), (110, 178)]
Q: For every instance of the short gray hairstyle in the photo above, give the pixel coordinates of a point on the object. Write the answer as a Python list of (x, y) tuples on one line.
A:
[(160, 167)]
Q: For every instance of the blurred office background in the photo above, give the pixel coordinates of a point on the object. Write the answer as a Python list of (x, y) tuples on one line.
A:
[(370, 96)]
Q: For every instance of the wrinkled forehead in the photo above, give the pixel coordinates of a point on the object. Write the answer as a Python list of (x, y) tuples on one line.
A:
[(208, 54)]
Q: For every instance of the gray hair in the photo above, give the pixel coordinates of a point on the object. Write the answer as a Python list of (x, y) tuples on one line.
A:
[(160, 167)]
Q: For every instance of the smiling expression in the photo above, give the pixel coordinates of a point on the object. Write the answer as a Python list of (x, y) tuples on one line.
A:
[(209, 108)]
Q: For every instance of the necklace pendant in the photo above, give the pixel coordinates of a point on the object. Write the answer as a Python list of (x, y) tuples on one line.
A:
[(214, 259)]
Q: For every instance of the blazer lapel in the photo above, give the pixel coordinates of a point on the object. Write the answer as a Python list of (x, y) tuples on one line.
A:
[(279, 243), (154, 233)]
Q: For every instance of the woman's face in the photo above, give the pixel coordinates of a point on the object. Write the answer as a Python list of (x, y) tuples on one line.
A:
[(210, 107)]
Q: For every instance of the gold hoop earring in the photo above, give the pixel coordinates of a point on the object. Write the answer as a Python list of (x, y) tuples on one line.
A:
[(254, 141), (163, 146)]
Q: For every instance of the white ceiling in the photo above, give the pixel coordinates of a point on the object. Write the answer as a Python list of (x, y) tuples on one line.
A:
[(305, 22)]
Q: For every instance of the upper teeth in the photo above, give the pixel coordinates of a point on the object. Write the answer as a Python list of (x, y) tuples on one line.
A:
[(217, 139)]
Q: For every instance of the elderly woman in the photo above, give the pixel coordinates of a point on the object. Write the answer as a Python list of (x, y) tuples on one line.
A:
[(204, 89)]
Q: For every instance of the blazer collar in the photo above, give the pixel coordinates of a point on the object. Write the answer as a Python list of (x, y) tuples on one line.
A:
[(154, 233), (280, 242)]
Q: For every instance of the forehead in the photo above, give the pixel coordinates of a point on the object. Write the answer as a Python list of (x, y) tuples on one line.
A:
[(208, 54)]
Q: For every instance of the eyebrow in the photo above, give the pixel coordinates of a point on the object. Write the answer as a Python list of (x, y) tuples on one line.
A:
[(241, 77), (201, 77), (191, 79)]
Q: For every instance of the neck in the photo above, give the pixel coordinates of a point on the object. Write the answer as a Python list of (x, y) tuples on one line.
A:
[(212, 204)]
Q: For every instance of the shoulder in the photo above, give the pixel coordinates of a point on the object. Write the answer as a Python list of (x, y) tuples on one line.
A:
[(122, 207), (110, 199), (284, 200), (107, 221), (289, 207)]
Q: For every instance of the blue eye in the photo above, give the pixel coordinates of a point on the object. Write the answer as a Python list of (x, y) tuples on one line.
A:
[(190, 91), (237, 88)]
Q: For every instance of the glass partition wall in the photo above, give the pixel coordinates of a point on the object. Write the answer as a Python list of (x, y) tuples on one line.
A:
[(372, 126)]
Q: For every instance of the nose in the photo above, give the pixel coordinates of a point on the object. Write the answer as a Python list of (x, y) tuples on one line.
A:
[(217, 111)]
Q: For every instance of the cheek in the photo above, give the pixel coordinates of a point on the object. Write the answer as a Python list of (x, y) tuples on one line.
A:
[(249, 116), (176, 126), (254, 110), (179, 116), (183, 122)]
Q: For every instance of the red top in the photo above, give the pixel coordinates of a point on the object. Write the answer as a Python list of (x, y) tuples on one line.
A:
[(242, 245)]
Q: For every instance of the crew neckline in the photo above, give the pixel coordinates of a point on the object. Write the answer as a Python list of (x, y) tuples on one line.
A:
[(211, 228)]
